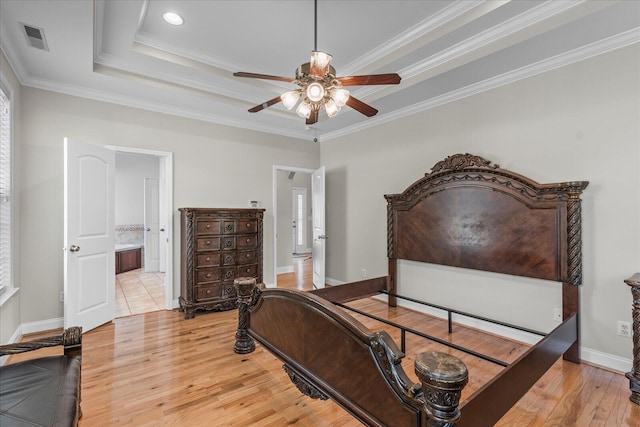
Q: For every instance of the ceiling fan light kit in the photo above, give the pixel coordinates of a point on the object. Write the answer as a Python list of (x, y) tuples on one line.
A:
[(320, 88)]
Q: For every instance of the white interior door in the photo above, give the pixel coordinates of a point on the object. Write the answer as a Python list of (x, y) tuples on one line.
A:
[(151, 225), (319, 234), (89, 251)]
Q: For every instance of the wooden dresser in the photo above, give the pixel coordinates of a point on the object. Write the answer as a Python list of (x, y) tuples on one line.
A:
[(217, 246)]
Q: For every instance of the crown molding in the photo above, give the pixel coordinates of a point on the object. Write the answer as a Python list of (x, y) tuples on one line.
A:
[(16, 66), (413, 34), (105, 96), (600, 47)]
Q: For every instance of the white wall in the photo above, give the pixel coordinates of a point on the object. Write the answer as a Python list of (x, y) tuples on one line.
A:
[(131, 171), (214, 166), (581, 122)]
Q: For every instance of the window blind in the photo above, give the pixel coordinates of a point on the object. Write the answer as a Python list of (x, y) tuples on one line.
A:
[(5, 192)]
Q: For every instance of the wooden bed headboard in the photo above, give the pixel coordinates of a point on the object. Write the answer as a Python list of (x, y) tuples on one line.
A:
[(470, 213)]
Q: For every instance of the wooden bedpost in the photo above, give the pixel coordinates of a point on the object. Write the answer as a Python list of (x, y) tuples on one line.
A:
[(443, 377), (634, 375), (244, 289)]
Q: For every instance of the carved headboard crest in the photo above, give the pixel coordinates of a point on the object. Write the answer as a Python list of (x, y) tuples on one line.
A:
[(468, 212), (461, 161)]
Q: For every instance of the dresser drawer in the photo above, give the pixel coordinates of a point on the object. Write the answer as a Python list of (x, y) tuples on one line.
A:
[(247, 270), (228, 291), (208, 260), (247, 226), (207, 275), (207, 292), (229, 273), (246, 257), (208, 243), (228, 242), (247, 242), (229, 227), (228, 258), (208, 227)]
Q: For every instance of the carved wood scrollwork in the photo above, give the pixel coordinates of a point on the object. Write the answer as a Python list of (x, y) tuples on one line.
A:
[(634, 374), (461, 161), (303, 385), (389, 359)]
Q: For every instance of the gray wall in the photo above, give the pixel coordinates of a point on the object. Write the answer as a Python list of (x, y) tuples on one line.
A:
[(131, 170), (214, 166), (580, 122)]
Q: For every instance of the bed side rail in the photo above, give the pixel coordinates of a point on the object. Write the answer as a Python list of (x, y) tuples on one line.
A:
[(354, 290), (488, 404)]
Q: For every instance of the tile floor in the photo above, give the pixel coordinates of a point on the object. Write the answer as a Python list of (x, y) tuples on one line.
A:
[(139, 292)]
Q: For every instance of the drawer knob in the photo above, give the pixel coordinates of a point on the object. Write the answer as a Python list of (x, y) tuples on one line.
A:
[(208, 242), (208, 225), (248, 255), (208, 291), (248, 240), (208, 275), (248, 270), (229, 227), (208, 258), (248, 225)]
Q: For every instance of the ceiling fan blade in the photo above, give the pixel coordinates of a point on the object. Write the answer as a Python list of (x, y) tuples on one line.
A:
[(360, 106), (264, 77), (264, 105), (371, 79), (313, 117)]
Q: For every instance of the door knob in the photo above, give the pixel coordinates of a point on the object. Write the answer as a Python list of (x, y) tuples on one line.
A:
[(162, 229), (74, 248), (323, 236), (147, 229)]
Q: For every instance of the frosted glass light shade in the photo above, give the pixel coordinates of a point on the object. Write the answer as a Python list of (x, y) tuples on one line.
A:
[(315, 92), (289, 99), (331, 108), (320, 62), (340, 96), (304, 110)]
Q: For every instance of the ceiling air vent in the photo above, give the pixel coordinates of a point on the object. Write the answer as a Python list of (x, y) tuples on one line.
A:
[(35, 37)]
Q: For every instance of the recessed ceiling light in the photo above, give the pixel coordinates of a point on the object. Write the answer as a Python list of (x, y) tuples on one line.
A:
[(173, 18)]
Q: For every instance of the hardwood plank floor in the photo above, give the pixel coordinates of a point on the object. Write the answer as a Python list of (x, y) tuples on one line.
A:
[(158, 369)]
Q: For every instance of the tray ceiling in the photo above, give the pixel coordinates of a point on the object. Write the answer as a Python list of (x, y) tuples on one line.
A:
[(123, 52)]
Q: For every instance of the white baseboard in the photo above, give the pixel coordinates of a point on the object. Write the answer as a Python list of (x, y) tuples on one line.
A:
[(333, 282), (606, 360), (285, 269), (42, 325)]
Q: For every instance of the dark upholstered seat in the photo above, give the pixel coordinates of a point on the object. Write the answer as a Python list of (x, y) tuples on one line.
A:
[(40, 392)]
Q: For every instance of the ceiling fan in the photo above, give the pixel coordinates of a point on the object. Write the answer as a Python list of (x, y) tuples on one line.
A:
[(319, 86)]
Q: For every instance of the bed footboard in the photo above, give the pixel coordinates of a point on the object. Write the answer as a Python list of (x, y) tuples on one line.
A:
[(329, 354)]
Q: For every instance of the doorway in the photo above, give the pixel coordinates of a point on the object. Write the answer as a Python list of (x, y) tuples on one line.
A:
[(292, 225), (143, 221)]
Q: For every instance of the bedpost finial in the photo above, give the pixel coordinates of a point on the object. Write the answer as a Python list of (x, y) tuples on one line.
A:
[(443, 377)]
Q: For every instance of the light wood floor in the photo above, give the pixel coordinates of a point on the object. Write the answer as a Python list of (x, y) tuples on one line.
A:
[(159, 369)]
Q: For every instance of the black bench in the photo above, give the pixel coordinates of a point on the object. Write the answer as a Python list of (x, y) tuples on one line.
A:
[(44, 391)]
